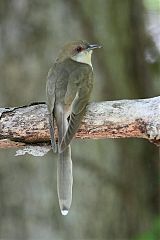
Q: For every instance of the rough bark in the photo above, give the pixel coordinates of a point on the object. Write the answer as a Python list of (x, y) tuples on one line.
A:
[(28, 125)]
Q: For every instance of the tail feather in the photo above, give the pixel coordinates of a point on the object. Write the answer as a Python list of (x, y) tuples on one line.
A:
[(64, 180), (64, 166), (74, 122)]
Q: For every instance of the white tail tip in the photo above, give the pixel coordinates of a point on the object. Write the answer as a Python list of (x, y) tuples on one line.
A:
[(64, 212)]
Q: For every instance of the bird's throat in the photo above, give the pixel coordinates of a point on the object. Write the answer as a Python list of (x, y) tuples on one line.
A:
[(83, 57)]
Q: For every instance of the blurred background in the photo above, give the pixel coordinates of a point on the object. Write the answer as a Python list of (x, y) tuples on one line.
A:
[(116, 189)]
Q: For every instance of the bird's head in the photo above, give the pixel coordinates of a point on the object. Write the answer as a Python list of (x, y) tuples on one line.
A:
[(79, 51)]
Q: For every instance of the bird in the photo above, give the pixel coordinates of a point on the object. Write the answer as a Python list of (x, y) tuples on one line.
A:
[(68, 89)]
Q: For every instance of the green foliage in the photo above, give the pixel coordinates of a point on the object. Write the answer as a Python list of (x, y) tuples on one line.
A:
[(152, 4), (153, 233)]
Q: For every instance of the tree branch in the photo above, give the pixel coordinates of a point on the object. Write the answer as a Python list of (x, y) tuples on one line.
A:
[(28, 125)]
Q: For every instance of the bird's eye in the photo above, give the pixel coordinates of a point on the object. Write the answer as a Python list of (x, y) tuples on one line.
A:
[(79, 49)]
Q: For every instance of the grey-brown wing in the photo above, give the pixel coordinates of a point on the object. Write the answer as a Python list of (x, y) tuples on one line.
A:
[(50, 95), (50, 88), (78, 108)]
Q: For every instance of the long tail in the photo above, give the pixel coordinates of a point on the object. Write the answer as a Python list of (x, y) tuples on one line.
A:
[(64, 166), (64, 180)]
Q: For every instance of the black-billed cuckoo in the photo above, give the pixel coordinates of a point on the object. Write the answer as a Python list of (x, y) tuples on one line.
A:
[(68, 88)]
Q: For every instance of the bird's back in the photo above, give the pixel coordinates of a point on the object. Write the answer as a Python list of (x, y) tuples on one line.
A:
[(71, 77)]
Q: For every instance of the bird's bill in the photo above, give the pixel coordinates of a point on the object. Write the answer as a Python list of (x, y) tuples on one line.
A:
[(93, 46)]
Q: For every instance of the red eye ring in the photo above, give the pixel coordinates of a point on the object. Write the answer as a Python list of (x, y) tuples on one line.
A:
[(79, 49)]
